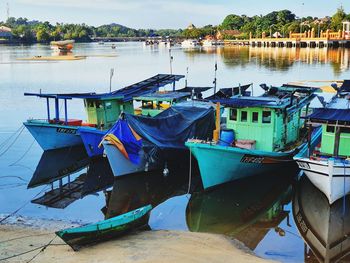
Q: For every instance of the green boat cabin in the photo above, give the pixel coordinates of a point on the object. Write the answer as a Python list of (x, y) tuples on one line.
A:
[(265, 123), (154, 103)]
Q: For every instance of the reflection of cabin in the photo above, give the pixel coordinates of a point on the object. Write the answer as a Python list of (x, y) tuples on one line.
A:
[(154, 103)]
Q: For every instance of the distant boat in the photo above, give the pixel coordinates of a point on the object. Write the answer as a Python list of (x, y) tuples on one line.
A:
[(210, 43), (325, 228), (190, 43), (328, 165), (106, 229), (63, 46), (262, 134)]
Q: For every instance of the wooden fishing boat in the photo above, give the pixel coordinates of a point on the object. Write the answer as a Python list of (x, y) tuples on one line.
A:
[(325, 228), (263, 134), (64, 45), (102, 110), (106, 229), (328, 164), (140, 143)]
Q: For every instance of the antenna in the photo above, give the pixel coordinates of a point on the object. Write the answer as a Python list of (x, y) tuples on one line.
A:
[(214, 82), (171, 58), (110, 79), (7, 10)]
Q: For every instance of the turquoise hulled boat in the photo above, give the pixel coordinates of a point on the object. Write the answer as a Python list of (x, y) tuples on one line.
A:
[(102, 112), (106, 229), (263, 134)]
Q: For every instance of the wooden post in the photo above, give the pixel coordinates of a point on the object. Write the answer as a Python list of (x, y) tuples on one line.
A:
[(290, 34), (313, 33), (57, 110), (327, 34), (48, 109), (336, 141), (339, 34), (321, 33), (250, 35), (216, 135)]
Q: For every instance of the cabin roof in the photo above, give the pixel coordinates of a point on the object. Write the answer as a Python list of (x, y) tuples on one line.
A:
[(266, 102), (164, 96), (126, 94), (338, 110)]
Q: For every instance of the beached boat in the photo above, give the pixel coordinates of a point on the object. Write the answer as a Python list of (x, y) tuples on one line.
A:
[(325, 228), (190, 43), (154, 103), (263, 134), (102, 112), (106, 229), (328, 165), (139, 143)]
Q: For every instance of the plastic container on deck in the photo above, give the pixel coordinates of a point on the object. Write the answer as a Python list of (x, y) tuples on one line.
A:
[(227, 137)]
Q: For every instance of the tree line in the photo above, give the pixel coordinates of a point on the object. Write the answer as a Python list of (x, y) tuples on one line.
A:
[(283, 21)]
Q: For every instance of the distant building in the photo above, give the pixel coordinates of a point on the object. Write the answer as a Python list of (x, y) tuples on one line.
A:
[(5, 32), (227, 34), (191, 26)]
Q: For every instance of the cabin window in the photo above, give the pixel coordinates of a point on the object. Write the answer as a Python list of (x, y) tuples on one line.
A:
[(255, 117), (233, 114), (330, 129), (99, 104), (266, 117), (108, 105), (244, 116), (344, 129)]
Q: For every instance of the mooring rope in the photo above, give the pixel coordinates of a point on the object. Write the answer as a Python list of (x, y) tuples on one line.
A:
[(8, 138), (16, 138)]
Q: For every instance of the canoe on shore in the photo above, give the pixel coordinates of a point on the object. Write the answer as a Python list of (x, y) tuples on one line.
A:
[(106, 229)]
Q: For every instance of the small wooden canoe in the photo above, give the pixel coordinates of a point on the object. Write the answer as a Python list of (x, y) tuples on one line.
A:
[(106, 229)]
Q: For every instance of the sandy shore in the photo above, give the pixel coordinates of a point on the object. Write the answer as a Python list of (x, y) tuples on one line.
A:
[(145, 246)]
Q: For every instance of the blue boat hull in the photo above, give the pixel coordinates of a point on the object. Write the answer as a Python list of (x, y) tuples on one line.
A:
[(91, 138), (221, 164), (52, 136)]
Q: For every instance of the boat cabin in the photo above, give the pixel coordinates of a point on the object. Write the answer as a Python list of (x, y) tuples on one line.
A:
[(335, 121), (266, 123), (154, 103)]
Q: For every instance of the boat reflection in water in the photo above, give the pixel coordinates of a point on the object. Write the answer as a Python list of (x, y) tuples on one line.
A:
[(136, 190), (325, 228), (245, 209), (57, 167)]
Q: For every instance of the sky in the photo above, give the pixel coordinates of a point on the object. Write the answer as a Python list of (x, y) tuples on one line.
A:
[(159, 13)]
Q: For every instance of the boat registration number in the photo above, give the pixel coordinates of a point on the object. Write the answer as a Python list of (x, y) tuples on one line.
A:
[(303, 165), (66, 130), (251, 159)]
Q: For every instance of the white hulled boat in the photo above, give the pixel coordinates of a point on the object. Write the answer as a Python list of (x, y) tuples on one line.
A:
[(190, 43)]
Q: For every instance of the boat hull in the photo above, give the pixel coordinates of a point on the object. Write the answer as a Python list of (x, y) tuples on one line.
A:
[(329, 176), (221, 164), (91, 138), (120, 165), (52, 136), (106, 229)]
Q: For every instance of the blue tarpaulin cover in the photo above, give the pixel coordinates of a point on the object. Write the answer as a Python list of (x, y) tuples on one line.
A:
[(326, 114), (174, 126), (123, 132)]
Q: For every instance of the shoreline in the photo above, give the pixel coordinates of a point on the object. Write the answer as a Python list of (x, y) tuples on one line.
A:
[(21, 235)]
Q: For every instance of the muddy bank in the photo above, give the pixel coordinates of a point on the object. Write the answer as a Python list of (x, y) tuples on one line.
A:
[(141, 246)]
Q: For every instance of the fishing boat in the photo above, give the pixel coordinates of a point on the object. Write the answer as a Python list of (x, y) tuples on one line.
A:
[(262, 134), (102, 112), (154, 103), (140, 143), (324, 228), (328, 165), (190, 43), (62, 46), (106, 229)]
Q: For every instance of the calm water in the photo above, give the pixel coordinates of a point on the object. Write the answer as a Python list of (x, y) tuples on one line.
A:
[(258, 212)]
